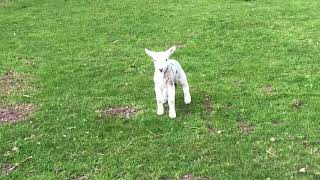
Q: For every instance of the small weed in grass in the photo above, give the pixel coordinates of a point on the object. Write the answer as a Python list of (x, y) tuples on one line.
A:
[(297, 104), (6, 168)]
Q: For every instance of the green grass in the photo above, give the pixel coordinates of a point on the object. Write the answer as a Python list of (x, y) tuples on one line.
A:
[(90, 54)]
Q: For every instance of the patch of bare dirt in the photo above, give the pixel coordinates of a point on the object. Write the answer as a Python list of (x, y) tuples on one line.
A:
[(11, 82), (298, 104), (166, 178), (82, 178), (125, 112), (16, 113), (245, 128), (268, 89), (191, 177)]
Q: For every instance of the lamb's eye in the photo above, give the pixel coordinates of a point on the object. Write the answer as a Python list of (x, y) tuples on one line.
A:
[(166, 59)]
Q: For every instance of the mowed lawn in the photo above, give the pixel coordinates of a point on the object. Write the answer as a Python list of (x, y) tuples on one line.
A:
[(254, 74)]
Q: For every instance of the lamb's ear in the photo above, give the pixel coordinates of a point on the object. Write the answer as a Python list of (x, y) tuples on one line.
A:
[(150, 53), (171, 50)]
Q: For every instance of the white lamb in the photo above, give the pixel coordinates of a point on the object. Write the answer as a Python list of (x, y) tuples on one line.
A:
[(167, 73)]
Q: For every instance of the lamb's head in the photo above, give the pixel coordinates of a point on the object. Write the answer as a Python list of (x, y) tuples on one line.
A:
[(160, 59)]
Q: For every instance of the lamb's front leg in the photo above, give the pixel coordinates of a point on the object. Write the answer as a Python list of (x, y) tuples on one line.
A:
[(159, 100), (171, 101)]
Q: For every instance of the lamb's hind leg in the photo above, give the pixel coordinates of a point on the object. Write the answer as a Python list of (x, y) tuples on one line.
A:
[(185, 86)]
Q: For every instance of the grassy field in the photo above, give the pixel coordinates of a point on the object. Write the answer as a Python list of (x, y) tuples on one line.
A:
[(253, 68)]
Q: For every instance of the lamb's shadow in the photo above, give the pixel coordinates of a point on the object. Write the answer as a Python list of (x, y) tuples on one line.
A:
[(202, 104)]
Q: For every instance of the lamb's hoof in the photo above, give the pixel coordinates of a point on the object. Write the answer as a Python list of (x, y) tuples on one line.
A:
[(172, 115), (160, 113), (160, 110), (187, 100)]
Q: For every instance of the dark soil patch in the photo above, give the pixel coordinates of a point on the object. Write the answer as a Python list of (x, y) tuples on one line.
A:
[(82, 178), (191, 177), (187, 177), (276, 122), (166, 178), (245, 128), (125, 112), (11, 82), (298, 104), (17, 113)]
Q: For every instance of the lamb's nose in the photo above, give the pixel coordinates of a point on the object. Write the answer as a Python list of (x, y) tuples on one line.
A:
[(161, 69)]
